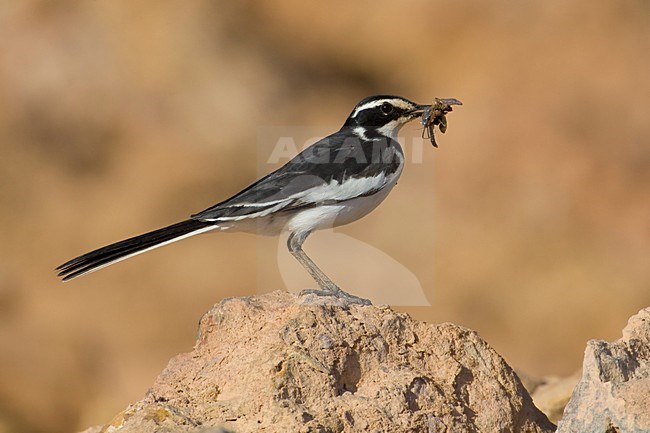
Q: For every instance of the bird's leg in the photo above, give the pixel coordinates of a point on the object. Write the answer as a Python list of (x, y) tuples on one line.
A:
[(327, 286), (294, 243)]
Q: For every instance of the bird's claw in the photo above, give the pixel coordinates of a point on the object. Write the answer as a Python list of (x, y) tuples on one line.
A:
[(337, 293)]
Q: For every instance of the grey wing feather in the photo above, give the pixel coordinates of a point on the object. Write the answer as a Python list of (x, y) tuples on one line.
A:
[(271, 193), (334, 158)]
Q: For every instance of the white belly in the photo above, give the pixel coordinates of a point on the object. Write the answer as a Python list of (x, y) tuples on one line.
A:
[(329, 216)]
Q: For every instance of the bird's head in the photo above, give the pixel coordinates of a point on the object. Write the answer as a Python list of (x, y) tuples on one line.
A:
[(383, 114)]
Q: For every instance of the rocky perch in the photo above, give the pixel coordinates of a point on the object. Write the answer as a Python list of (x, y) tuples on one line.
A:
[(287, 363)]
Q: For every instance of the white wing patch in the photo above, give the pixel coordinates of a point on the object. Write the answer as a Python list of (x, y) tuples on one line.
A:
[(331, 192), (348, 189), (261, 204), (280, 204)]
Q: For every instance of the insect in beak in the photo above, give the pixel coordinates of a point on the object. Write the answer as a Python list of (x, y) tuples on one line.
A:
[(435, 115)]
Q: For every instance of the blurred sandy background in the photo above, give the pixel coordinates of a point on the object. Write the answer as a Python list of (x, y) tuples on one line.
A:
[(530, 224)]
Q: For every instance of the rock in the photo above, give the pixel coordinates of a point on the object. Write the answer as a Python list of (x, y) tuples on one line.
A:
[(614, 393), (94, 429), (287, 363), (552, 394)]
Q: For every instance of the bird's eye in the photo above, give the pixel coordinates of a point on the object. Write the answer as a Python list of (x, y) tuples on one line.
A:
[(386, 108)]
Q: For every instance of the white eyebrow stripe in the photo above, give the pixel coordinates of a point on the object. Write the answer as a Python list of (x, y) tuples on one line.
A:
[(367, 105), (400, 103)]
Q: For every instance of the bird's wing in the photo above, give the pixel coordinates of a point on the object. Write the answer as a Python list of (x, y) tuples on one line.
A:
[(334, 169)]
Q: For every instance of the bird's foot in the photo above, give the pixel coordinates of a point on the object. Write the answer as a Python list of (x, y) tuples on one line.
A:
[(336, 292)]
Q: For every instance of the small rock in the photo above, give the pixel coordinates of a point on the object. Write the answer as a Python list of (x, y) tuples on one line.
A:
[(613, 395), (552, 394), (95, 429)]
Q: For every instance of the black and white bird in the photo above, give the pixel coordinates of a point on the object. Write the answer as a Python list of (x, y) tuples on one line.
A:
[(335, 181)]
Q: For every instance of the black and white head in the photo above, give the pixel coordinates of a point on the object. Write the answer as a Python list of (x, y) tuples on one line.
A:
[(383, 115)]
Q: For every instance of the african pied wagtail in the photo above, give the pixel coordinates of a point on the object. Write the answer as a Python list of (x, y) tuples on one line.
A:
[(335, 181)]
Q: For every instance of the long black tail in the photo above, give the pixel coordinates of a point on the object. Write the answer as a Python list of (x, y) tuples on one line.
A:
[(118, 251)]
